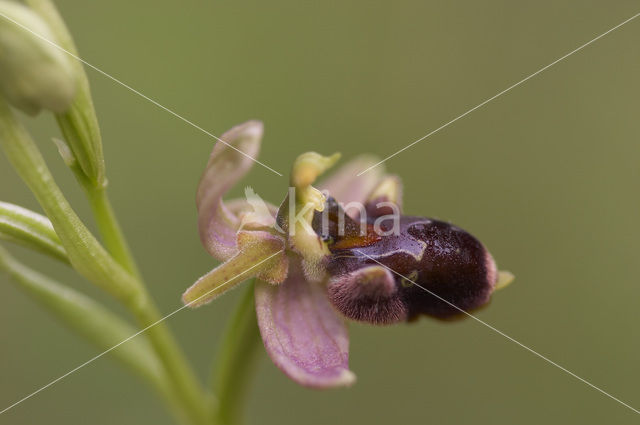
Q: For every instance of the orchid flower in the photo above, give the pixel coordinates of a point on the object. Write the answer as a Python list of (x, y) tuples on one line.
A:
[(318, 262)]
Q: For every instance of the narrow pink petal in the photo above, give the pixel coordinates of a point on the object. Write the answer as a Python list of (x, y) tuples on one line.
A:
[(304, 336), (345, 185), (218, 224)]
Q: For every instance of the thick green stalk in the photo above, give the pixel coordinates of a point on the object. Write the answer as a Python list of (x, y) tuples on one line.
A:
[(236, 361), (92, 261)]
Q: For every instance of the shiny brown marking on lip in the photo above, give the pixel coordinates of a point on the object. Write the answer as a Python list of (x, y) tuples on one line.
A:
[(356, 241)]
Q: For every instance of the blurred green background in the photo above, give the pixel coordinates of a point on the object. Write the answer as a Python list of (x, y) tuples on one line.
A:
[(546, 176)]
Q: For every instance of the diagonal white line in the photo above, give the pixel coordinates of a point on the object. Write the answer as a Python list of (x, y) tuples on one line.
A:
[(501, 93), (532, 351), (128, 87), (91, 360)]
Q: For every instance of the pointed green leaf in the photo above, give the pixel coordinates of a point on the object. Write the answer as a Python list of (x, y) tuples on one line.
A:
[(88, 318)]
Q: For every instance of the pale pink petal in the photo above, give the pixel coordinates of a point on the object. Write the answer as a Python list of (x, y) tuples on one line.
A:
[(345, 185), (216, 223), (304, 336)]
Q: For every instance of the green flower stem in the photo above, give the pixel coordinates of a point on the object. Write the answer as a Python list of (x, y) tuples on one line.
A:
[(180, 373), (236, 361), (92, 321), (86, 254), (117, 272), (80, 128), (92, 261), (110, 230)]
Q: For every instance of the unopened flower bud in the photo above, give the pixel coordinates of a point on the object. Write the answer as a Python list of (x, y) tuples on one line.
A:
[(34, 73)]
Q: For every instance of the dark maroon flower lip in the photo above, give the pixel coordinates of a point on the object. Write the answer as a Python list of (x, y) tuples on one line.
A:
[(426, 257)]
